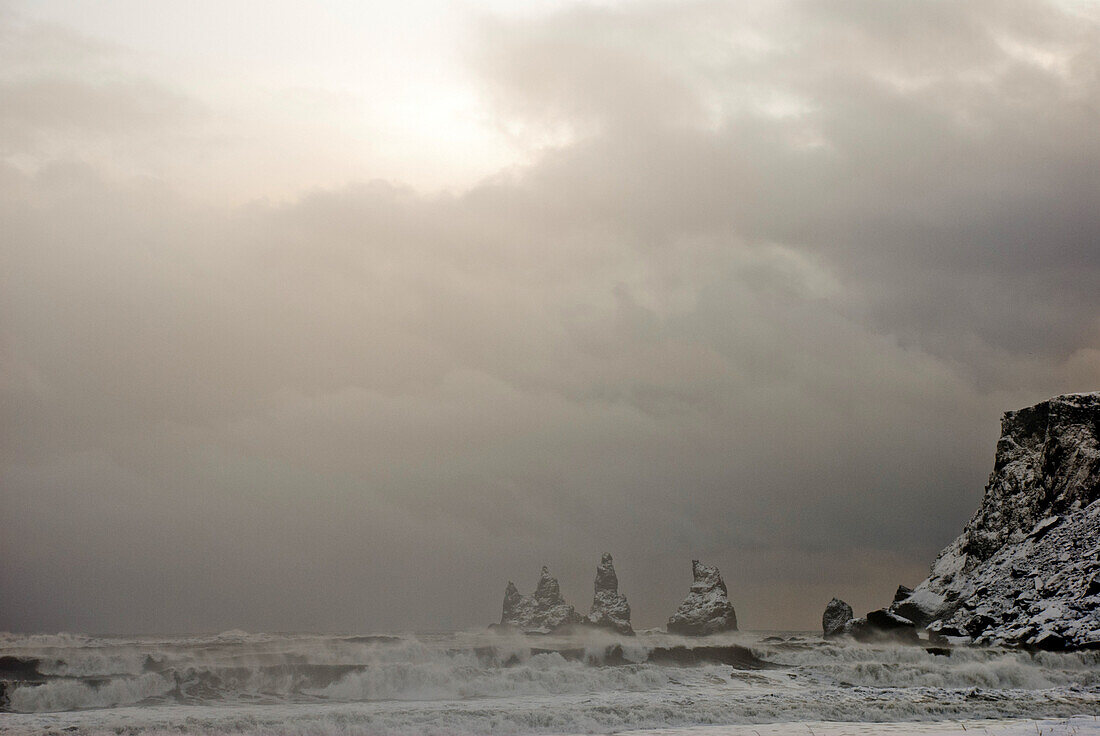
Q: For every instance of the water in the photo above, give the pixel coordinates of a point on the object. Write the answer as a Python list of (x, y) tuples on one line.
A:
[(480, 682)]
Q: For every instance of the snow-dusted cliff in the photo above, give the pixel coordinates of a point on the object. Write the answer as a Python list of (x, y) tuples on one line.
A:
[(1026, 569), (707, 608)]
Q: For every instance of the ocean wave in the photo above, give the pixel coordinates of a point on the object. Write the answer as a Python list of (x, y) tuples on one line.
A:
[(744, 676), (67, 694)]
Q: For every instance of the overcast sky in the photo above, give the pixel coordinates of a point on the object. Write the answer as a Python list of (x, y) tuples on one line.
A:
[(338, 316)]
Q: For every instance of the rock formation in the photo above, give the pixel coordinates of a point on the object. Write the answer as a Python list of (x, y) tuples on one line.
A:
[(542, 612), (1026, 569), (609, 607), (837, 614), (882, 625), (707, 608)]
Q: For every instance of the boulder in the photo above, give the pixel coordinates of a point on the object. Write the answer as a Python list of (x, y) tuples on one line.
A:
[(1023, 571), (902, 593), (883, 626), (609, 607), (919, 606), (837, 614), (707, 608), (542, 612)]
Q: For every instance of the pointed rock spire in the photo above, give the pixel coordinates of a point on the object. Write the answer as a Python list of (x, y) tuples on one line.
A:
[(516, 607), (609, 607), (547, 590), (542, 612), (707, 608)]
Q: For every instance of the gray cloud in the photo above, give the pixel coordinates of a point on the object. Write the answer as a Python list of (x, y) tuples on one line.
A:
[(764, 305)]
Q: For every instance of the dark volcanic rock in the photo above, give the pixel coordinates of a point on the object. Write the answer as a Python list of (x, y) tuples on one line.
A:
[(609, 607), (979, 623), (542, 612), (837, 614), (19, 668), (707, 608), (902, 593), (882, 625), (1024, 569), (886, 621)]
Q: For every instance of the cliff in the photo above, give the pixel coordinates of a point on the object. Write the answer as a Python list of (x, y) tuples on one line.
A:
[(1026, 568)]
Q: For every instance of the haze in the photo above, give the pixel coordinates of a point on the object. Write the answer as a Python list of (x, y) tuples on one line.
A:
[(338, 316)]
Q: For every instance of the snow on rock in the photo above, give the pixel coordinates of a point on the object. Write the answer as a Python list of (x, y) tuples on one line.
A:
[(609, 607), (836, 615), (707, 608), (542, 612), (1025, 569)]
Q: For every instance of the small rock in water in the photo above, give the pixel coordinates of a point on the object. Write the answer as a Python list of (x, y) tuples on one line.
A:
[(837, 614)]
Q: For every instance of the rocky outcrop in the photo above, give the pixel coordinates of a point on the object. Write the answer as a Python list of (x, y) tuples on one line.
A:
[(1025, 569), (877, 626), (609, 607), (542, 612), (837, 614), (707, 608), (882, 626)]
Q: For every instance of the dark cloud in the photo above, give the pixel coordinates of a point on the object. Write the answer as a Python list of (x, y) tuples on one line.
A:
[(762, 303)]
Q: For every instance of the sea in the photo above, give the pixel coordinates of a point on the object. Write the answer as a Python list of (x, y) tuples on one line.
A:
[(483, 682)]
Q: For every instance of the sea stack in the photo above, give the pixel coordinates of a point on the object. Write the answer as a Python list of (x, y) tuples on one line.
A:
[(707, 608), (542, 612), (609, 607), (1026, 568), (837, 614)]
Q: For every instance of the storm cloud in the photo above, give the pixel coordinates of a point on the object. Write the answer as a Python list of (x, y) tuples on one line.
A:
[(758, 296)]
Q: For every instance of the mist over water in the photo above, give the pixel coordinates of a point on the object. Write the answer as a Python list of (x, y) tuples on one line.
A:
[(479, 682)]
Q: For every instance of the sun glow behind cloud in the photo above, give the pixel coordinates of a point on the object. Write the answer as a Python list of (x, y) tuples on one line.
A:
[(279, 97)]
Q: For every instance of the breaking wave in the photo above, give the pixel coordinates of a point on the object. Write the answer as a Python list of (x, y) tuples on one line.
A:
[(485, 683)]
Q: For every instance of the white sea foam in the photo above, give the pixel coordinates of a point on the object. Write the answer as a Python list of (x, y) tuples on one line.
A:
[(62, 695), (473, 682)]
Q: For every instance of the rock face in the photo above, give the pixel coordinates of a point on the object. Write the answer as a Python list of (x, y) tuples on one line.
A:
[(542, 612), (836, 615), (707, 608), (1025, 569), (609, 607)]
